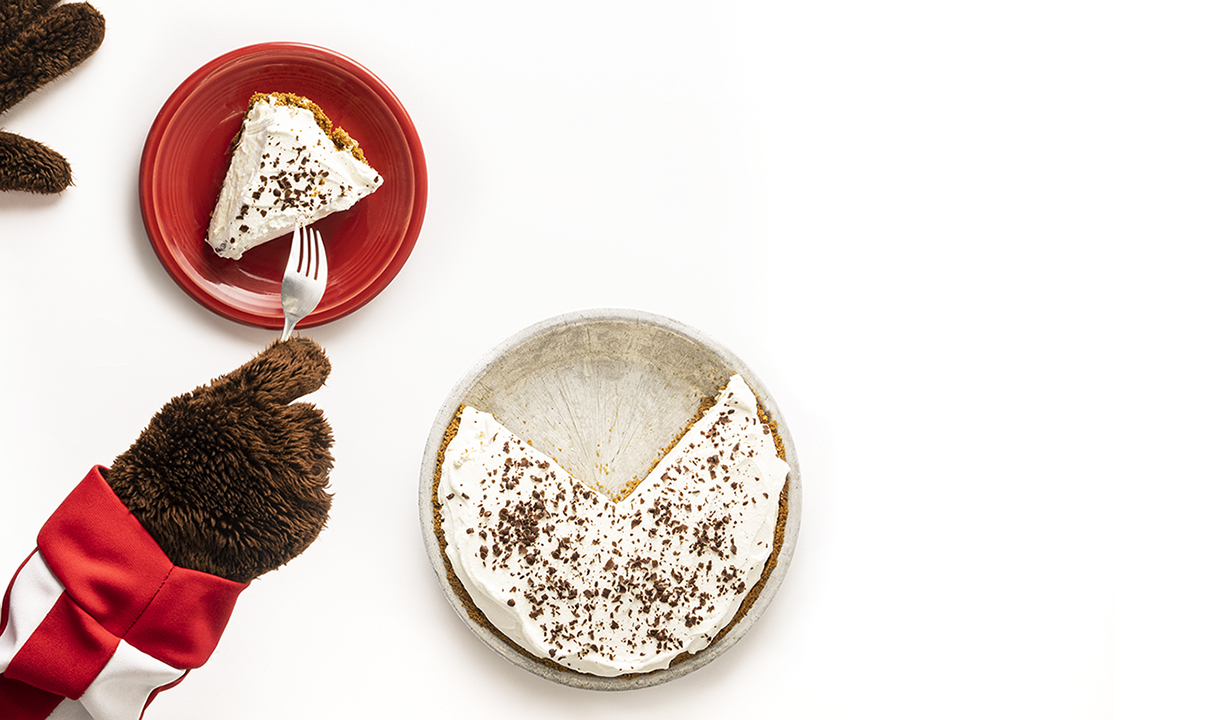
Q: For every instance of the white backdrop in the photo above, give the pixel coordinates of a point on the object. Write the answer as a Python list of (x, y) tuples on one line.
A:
[(974, 250)]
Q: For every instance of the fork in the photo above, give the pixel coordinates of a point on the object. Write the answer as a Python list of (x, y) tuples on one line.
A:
[(306, 276)]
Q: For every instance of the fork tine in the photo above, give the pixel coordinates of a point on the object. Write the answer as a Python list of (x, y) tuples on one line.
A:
[(309, 254), (306, 277), (321, 268), (295, 261)]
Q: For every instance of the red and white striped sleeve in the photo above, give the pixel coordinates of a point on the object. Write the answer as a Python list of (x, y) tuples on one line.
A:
[(97, 620)]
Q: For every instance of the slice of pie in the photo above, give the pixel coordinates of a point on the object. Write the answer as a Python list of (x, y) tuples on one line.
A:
[(289, 166)]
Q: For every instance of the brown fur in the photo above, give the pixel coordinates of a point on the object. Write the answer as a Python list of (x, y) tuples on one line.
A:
[(231, 479), (16, 15), (31, 166), (38, 43), (45, 46)]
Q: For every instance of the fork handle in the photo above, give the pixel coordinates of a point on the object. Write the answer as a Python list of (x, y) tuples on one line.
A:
[(290, 322)]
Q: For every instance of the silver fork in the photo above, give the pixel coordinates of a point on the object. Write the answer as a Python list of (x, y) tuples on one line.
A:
[(306, 276)]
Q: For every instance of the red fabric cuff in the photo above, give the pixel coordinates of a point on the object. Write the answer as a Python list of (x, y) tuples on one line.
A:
[(114, 570)]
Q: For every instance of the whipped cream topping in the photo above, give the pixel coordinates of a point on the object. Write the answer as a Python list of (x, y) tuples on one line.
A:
[(285, 171), (613, 588)]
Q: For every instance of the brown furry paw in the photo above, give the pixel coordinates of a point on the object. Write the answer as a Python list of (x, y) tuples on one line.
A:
[(38, 43), (45, 46), (31, 166), (231, 479)]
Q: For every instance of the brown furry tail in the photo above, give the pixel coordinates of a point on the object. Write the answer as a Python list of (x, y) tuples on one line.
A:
[(231, 479)]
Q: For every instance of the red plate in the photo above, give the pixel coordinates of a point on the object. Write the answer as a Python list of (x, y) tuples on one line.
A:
[(187, 153)]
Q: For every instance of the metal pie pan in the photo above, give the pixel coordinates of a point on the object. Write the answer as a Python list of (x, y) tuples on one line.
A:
[(606, 378)]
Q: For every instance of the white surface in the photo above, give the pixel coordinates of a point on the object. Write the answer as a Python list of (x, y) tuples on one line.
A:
[(986, 255)]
